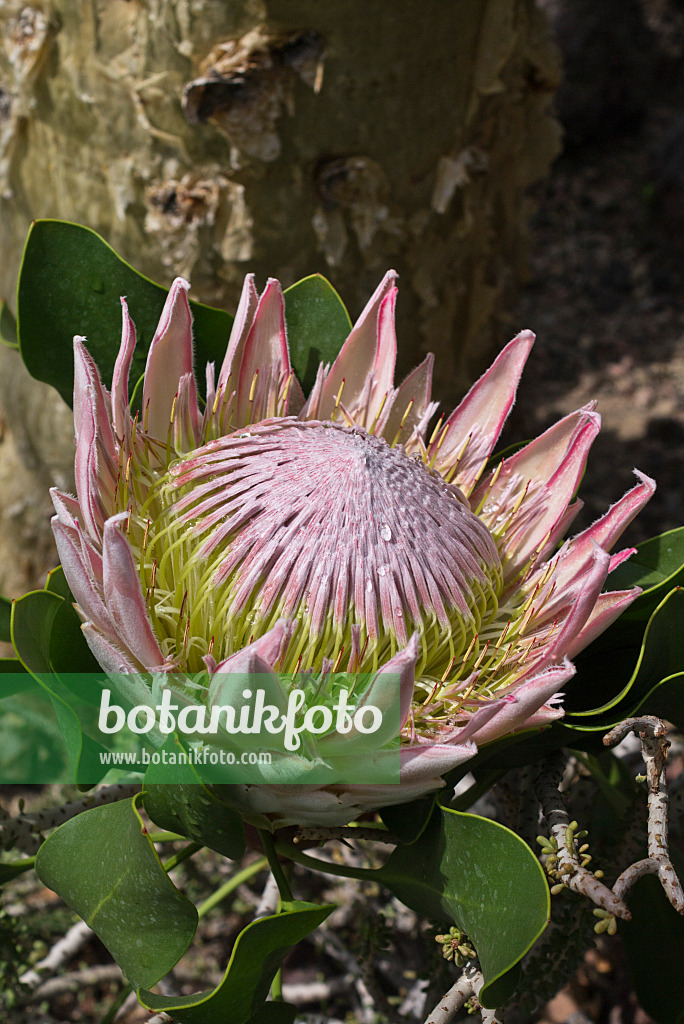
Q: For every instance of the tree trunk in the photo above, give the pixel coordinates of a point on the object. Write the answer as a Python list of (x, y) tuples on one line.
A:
[(286, 137)]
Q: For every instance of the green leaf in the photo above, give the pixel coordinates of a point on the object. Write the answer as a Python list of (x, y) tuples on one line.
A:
[(317, 326), (14, 678), (31, 628), (182, 804), (666, 700), (5, 617), (70, 283), (105, 868), (408, 821), (661, 656), (33, 616), (10, 871), (654, 944), (657, 566), (69, 653), (274, 1013), (259, 950), (485, 879), (8, 326)]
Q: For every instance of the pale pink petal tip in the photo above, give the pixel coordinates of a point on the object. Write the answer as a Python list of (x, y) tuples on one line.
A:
[(124, 598), (481, 415), (168, 360), (121, 418), (367, 358), (244, 318), (265, 362)]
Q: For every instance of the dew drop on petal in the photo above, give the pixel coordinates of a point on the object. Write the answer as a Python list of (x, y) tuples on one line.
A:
[(385, 532), (369, 585), (489, 510), (383, 570)]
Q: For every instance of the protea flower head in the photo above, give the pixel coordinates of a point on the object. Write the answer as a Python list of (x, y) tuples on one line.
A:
[(265, 532)]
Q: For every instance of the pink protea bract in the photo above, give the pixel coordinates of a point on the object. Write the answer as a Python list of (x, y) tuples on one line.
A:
[(278, 534)]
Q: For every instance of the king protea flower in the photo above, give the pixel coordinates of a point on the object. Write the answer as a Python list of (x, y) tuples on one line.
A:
[(265, 532)]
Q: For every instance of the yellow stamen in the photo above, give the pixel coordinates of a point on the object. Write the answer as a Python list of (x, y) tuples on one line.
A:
[(378, 413)]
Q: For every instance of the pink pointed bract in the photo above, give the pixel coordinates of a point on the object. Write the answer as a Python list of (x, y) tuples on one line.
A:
[(334, 532)]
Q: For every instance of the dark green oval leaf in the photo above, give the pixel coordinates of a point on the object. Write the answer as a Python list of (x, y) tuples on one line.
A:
[(657, 566), (654, 944), (666, 700), (661, 655), (31, 628), (182, 804), (485, 879), (69, 652), (33, 616), (408, 821), (317, 326), (8, 326), (105, 868), (8, 872), (259, 950), (5, 617), (70, 283)]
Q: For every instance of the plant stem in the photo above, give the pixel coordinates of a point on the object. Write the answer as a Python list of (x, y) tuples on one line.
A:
[(275, 865), (180, 856), (19, 866), (231, 885), (117, 1004), (277, 985), (287, 850), (164, 837)]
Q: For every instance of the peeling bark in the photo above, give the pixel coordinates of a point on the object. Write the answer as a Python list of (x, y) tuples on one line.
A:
[(286, 137)]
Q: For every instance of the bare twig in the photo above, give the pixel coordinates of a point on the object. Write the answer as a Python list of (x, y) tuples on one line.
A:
[(336, 949), (76, 981), (468, 985), (374, 835), (569, 867), (62, 951), (24, 831), (268, 904), (654, 746)]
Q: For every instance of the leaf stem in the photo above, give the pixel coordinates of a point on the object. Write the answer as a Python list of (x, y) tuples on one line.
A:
[(277, 985), (164, 837), (276, 867), (116, 1005), (180, 856), (287, 850), (19, 866), (231, 885)]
